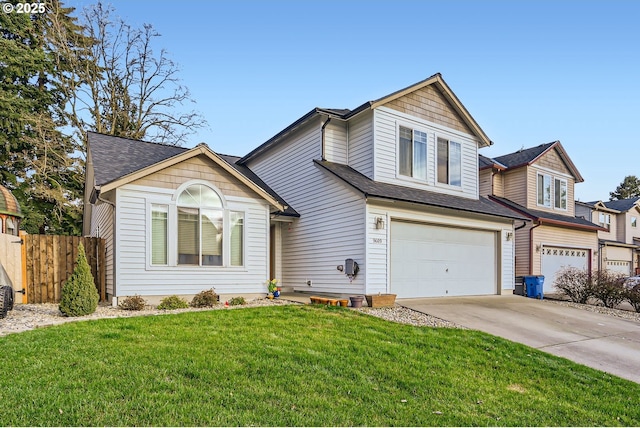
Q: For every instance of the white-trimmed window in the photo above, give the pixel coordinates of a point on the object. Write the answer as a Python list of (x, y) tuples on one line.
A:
[(449, 161), (200, 226), (560, 193), (236, 219), (605, 220), (412, 153), (159, 233), (544, 190), (634, 221)]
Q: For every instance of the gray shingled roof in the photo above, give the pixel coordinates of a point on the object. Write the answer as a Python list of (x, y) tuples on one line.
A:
[(116, 157), (622, 205), (537, 215), (395, 192), (487, 162), (523, 156)]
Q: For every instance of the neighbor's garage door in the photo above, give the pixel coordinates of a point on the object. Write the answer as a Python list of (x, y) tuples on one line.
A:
[(430, 261), (556, 258), (619, 266)]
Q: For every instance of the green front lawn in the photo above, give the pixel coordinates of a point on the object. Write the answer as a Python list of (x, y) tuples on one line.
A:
[(294, 365)]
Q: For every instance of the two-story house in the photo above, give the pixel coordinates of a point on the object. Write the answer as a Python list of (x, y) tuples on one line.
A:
[(385, 197), (538, 183), (392, 185), (620, 239)]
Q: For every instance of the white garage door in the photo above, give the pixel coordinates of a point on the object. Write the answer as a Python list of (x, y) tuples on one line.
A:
[(556, 258), (619, 266), (431, 261)]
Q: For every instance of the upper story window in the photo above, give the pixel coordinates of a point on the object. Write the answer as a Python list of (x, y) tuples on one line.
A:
[(544, 190), (413, 153), (11, 228), (449, 162), (560, 194), (634, 221), (605, 221)]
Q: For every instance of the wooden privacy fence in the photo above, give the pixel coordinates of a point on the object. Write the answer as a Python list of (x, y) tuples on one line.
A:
[(50, 261)]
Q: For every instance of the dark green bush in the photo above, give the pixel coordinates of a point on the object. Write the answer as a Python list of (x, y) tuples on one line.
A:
[(235, 301), (205, 299), (132, 303), (173, 302), (79, 296)]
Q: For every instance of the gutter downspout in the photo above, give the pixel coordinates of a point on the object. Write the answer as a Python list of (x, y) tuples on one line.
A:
[(114, 300), (323, 136), (531, 249)]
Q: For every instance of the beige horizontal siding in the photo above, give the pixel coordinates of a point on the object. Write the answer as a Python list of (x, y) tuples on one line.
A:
[(562, 237), (515, 186)]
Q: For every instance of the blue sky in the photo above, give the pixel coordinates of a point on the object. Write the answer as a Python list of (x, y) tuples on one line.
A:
[(530, 72)]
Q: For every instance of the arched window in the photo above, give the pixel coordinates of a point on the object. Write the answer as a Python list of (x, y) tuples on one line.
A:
[(200, 226)]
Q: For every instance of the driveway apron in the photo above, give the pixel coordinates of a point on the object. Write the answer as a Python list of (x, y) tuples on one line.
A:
[(596, 340)]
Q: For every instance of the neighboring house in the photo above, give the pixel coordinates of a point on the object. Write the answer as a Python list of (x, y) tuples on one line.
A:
[(392, 185), (620, 241), (178, 221), (10, 212), (538, 183)]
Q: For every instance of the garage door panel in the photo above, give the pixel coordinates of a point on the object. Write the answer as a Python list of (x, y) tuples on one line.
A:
[(554, 259), (430, 260)]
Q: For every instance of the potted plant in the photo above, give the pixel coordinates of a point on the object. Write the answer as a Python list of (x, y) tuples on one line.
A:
[(273, 288)]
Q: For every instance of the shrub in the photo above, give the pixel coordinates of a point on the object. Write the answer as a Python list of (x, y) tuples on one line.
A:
[(576, 284), (205, 299), (173, 302), (633, 297), (235, 301), (79, 296), (608, 288), (132, 303)]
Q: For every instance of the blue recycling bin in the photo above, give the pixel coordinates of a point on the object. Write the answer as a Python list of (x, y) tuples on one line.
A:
[(534, 284)]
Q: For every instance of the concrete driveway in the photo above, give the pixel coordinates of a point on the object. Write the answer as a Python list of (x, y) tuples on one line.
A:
[(603, 342)]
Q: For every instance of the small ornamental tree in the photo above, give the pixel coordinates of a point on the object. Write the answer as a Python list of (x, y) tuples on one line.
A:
[(79, 295)]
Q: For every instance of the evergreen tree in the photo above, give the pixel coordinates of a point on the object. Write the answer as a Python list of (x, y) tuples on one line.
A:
[(629, 188), (79, 295)]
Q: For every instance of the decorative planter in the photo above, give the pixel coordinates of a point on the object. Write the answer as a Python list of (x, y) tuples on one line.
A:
[(276, 294), (344, 302), (356, 301), (380, 300)]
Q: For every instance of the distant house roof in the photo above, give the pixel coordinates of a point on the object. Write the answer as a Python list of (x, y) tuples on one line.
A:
[(115, 158), (9, 204), (549, 218), (622, 205), (345, 114), (485, 162), (525, 157), (370, 188)]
